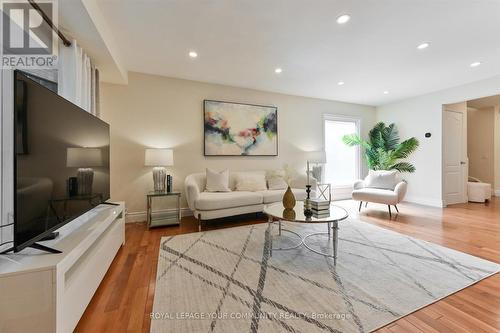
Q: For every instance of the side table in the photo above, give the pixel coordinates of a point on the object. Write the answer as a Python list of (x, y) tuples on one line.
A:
[(163, 220)]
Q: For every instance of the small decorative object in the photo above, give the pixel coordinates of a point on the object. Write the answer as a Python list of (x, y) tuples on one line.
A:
[(159, 159), (235, 129), (383, 150), (318, 159), (170, 181), (289, 214), (307, 202), (84, 159), (288, 197)]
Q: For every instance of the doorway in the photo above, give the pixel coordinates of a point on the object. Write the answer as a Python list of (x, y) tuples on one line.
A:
[(471, 147)]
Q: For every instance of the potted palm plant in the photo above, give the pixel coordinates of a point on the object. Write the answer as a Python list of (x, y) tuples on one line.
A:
[(383, 150)]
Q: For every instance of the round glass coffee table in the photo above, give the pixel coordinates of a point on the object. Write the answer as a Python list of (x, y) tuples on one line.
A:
[(276, 211)]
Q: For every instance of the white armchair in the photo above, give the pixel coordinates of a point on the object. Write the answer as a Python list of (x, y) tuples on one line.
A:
[(391, 197)]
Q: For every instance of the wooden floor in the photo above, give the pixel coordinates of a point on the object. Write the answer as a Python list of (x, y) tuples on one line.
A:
[(124, 299)]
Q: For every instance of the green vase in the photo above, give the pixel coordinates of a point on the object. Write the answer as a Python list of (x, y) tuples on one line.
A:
[(288, 199)]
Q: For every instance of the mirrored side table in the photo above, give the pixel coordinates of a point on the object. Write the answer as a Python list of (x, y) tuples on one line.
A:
[(163, 218)]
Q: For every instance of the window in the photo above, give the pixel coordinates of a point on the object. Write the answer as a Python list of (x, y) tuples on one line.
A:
[(342, 162)]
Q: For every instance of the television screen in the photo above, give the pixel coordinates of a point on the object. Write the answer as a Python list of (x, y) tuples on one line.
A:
[(61, 161)]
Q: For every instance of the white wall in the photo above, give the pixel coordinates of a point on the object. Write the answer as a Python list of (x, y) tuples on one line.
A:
[(418, 115), (154, 111)]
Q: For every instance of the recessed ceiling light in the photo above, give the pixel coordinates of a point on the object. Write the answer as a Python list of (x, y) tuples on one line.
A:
[(475, 64), (423, 46), (386, 92), (341, 83), (278, 70), (343, 19), (193, 54)]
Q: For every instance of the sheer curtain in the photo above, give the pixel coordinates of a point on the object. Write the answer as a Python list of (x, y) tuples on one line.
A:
[(78, 78)]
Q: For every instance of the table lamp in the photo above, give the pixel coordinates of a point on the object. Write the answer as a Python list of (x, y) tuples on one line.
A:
[(159, 159), (318, 158), (84, 159)]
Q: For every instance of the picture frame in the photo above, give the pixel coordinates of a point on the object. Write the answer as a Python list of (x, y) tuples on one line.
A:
[(239, 129)]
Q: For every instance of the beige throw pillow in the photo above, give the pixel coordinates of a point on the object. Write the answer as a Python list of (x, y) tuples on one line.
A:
[(247, 181), (217, 181), (382, 179), (276, 180)]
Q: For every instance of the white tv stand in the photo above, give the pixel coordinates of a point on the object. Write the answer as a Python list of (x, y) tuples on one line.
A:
[(42, 292)]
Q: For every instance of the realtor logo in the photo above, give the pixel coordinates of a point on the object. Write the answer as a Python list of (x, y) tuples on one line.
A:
[(28, 39)]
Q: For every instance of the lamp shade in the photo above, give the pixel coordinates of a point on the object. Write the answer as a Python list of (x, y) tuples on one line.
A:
[(317, 157), (159, 157), (83, 157)]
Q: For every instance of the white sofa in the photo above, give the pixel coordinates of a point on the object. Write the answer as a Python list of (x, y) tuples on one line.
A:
[(214, 205), (386, 196)]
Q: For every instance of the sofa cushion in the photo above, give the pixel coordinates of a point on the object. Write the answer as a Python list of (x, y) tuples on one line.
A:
[(382, 179), (250, 181), (271, 196), (222, 200), (217, 181), (388, 197), (276, 180)]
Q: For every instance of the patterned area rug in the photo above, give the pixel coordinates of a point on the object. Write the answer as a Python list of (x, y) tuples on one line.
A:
[(226, 281)]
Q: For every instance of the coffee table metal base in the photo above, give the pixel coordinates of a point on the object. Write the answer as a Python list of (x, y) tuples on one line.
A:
[(303, 239)]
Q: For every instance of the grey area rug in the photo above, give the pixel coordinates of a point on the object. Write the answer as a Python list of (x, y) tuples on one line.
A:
[(225, 280)]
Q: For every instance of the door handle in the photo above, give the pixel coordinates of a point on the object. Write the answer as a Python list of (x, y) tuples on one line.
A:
[(462, 163)]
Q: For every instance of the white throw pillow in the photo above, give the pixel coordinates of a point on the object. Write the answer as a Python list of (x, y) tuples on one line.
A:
[(217, 181), (276, 180), (382, 179), (247, 181)]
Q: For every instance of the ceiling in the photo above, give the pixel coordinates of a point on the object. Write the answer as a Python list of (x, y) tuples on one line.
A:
[(241, 42), (484, 102)]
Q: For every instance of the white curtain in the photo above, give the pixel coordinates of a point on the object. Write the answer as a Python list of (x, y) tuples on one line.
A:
[(77, 78)]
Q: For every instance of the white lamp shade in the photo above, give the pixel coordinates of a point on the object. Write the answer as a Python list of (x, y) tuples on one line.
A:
[(83, 157), (159, 157), (317, 157)]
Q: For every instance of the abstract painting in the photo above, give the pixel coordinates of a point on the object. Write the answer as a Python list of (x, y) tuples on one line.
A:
[(234, 129)]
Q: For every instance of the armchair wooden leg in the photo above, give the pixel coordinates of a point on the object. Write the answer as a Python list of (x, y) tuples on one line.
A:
[(396, 206), (360, 204), (390, 213), (199, 222)]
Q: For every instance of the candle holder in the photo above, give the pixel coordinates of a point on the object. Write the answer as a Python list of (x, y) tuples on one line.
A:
[(307, 203)]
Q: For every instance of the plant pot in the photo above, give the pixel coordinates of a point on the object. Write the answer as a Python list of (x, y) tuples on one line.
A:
[(288, 199)]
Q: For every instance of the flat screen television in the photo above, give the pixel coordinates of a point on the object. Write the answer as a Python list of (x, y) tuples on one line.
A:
[(61, 161)]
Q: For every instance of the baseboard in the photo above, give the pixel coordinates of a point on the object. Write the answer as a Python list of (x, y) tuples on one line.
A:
[(133, 217), (424, 201)]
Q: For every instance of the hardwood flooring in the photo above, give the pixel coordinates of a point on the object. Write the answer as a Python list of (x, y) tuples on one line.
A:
[(124, 299)]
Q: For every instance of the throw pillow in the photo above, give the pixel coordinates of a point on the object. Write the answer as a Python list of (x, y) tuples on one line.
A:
[(248, 181), (217, 181), (382, 179), (276, 180)]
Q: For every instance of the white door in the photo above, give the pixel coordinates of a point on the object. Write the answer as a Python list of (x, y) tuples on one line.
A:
[(453, 157)]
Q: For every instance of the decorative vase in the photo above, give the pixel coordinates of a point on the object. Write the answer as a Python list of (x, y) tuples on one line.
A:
[(289, 214), (288, 199)]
